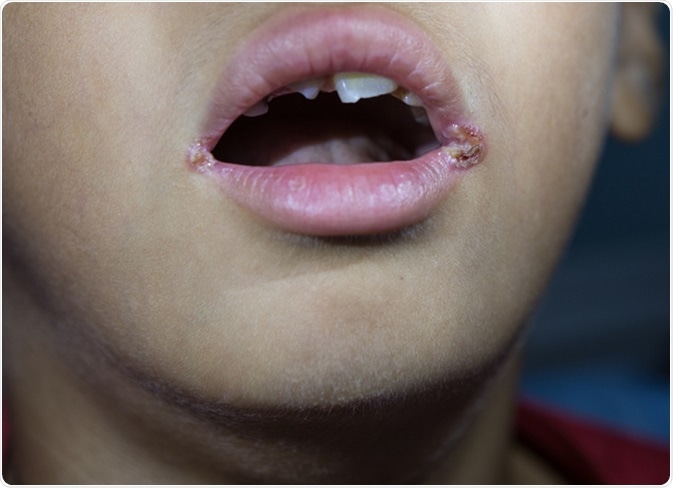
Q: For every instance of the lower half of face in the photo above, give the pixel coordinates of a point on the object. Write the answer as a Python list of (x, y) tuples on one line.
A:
[(188, 284)]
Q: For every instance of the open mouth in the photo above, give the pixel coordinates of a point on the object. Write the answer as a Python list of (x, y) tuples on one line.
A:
[(337, 121), (345, 119)]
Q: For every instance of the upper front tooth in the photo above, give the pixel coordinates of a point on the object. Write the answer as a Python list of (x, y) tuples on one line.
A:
[(351, 87), (308, 88)]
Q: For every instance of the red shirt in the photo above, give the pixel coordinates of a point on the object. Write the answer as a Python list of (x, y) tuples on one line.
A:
[(588, 453)]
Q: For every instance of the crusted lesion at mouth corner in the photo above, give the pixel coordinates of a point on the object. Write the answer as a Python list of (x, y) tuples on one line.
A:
[(465, 146), (198, 157)]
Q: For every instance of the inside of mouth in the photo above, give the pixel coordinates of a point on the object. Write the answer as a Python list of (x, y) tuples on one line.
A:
[(324, 130)]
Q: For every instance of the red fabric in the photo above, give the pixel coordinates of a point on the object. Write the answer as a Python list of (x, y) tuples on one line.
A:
[(588, 453)]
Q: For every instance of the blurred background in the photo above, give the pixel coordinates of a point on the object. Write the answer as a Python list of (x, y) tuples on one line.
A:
[(599, 344)]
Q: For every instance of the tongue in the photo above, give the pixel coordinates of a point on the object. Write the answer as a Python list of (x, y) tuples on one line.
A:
[(357, 149), (297, 145)]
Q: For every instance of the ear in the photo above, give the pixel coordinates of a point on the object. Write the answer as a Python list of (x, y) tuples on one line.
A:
[(638, 79)]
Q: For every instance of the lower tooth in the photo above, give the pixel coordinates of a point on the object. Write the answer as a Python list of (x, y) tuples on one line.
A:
[(420, 116), (260, 108)]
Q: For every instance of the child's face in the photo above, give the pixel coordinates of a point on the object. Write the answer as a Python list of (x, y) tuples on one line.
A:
[(138, 251)]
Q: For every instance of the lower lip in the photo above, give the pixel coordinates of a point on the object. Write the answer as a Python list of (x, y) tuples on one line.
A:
[(330, 200)]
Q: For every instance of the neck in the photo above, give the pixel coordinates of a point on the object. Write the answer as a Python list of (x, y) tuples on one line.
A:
[(111, 427)]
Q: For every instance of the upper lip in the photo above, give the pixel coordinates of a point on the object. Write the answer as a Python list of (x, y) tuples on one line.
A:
[(305, 43)]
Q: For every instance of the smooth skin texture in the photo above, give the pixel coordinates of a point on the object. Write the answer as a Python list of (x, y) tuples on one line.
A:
[(155, 332)]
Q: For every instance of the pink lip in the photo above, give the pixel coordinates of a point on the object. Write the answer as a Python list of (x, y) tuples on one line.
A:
[(325, 199)]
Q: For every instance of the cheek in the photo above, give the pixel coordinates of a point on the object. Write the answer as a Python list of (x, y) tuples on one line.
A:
[(550, 69), (80, 197), (540, 87)]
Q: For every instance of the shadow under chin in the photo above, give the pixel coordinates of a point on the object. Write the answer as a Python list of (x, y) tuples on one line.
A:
[(392, 438)]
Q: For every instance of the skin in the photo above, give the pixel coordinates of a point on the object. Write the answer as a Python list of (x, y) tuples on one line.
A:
[(155, 332)]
